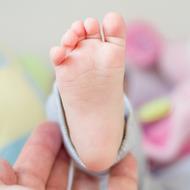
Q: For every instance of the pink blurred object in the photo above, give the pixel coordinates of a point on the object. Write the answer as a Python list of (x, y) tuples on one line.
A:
[(167, 139), (175, 62), (157, 67), (144, 44), (144, 48), (155, 139)]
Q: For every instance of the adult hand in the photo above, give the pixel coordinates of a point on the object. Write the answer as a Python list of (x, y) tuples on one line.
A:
[(43, 165)]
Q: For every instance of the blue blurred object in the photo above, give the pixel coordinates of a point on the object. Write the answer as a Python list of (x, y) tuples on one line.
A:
[(3, 61), (11, 151)]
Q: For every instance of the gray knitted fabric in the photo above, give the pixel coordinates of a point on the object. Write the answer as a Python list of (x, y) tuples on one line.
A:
[(55, 112)]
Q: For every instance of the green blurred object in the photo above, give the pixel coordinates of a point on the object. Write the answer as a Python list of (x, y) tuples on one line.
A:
[(154, 110), (39, 72)]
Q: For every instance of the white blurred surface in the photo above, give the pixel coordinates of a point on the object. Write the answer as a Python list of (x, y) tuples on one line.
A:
[(36, 25)]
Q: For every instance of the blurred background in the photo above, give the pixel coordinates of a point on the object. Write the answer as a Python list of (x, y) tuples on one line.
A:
[(36, 25), (157, 67)]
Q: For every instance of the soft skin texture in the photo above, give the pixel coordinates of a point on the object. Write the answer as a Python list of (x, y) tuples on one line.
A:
[(43, 165), (89, 75)]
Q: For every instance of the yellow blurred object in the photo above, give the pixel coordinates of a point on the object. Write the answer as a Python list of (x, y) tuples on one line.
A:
[(20, 108), (154, 110)]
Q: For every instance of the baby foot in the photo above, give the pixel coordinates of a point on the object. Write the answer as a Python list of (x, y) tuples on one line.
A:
[(89, 75)]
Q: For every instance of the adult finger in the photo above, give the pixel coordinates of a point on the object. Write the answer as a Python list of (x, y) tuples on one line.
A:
[(7, 174), (124, 175), (83, 181), (38, 155), (58, 177)]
